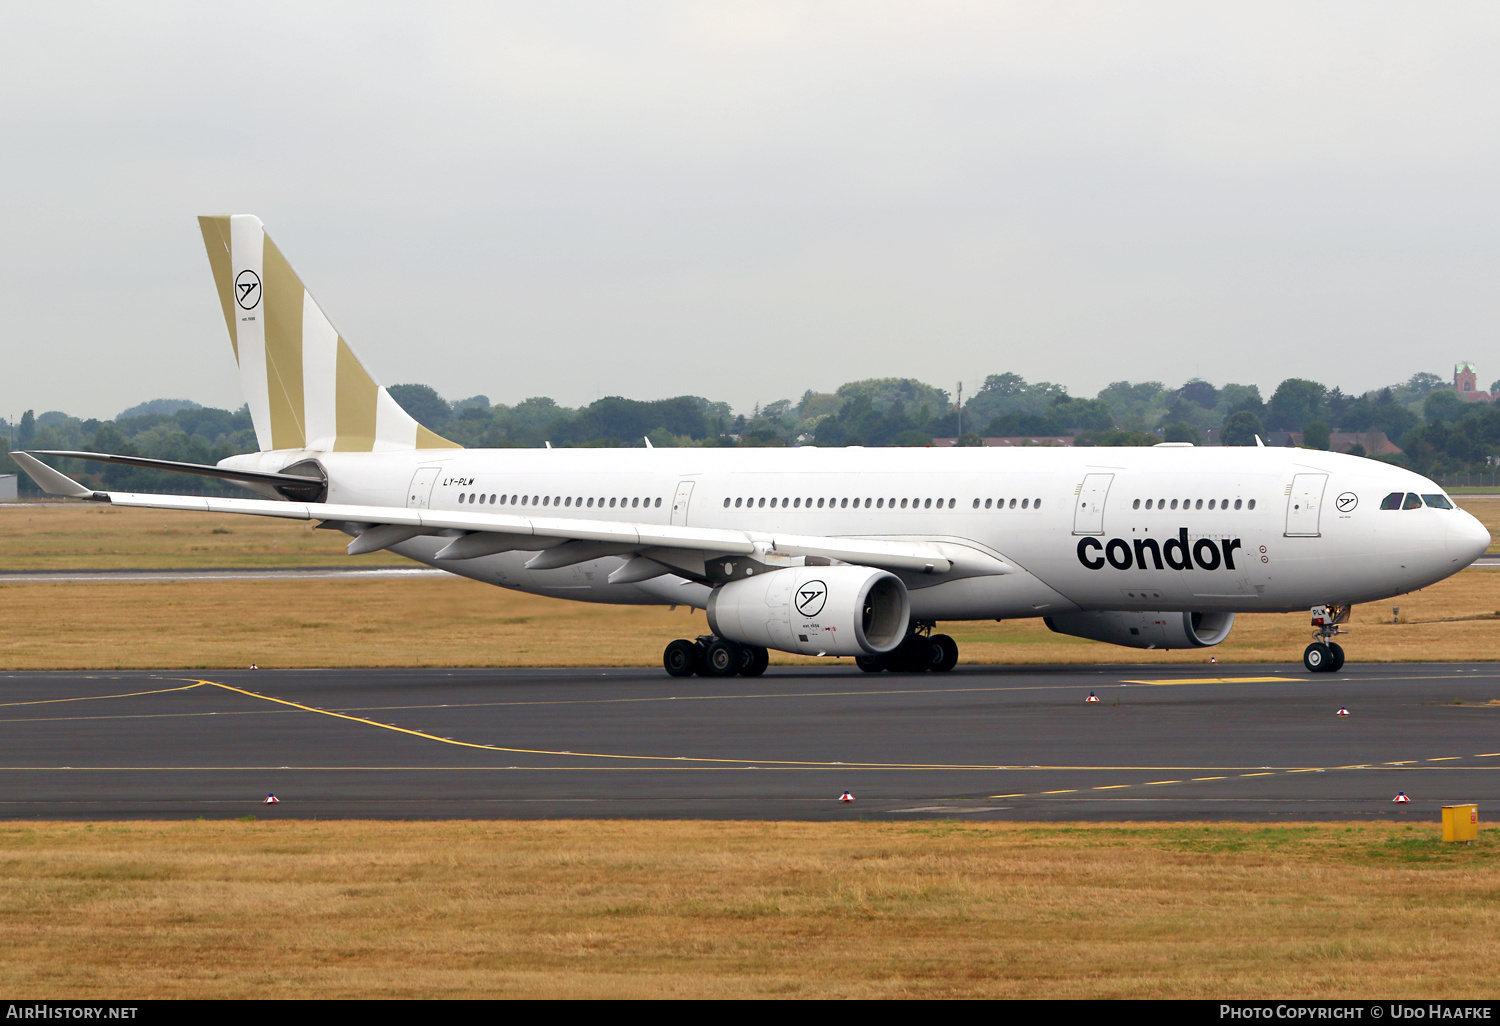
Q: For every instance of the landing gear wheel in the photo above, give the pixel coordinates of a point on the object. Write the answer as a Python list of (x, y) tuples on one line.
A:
[(872, 664), (1318, 658), (1337, 663), (914, 655), (721, 659), (681, 658), (753, 660), (944, 653)]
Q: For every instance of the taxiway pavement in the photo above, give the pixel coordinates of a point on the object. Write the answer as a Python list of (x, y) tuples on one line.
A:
[(1163, 743)]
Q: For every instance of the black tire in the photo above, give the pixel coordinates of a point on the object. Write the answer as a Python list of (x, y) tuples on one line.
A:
[(1317, 658), (871, 664), (681, 658), (753, 661), (944, 653), (1337, 663), (913, 656), (721, 659)]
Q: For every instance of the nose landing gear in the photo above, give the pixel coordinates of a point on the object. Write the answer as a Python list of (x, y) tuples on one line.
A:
[(1325, 655)]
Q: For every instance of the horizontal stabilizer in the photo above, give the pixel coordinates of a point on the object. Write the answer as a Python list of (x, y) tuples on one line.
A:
[(293, 486)]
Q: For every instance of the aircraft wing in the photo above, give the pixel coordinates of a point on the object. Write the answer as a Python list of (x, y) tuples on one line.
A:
[(561, 540)]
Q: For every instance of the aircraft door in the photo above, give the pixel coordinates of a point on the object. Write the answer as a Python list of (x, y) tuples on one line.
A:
[(1304, 505), (420, 492), (1088, 512), (680, 503)]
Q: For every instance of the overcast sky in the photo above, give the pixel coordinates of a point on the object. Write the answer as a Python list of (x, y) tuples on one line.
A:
[(744, 201)]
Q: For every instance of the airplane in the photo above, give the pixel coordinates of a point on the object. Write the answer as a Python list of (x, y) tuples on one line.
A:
[(817, 551)]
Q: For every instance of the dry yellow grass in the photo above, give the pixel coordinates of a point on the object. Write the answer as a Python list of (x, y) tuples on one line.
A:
[(449, 621), (694, 909), (85, 535), (453, 622)]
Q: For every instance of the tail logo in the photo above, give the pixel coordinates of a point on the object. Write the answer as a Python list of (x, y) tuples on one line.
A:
[(247, 289)]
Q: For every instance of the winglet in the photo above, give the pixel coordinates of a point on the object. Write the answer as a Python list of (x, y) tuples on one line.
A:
[(52, 482), (1258, 443)]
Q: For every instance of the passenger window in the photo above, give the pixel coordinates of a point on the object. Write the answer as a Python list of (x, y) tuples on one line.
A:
[(611, 502), (1250, 504), (1437, 501), (492, 499), (1413, 501), (820, 503), (762, 503), (976, 503), (635, 502), (1012, 503), (1392, 501), (903, 503), (986, 503), (1136, 504), (1198, 504), (726, 502), (844, 504), (1148, 503), (658, 503), (1174, 503), (460, 497), (952, 503), (1025, 503), (928, 504), (524, 499), (1036, 503)]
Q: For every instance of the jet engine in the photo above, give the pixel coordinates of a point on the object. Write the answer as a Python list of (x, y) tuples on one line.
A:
[(814, 610), (1146, 630)]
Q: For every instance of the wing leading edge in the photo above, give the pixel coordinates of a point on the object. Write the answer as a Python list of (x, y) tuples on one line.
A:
[(561, 541)]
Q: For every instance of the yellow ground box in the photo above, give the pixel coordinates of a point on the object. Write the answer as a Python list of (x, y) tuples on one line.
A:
[(1460, 822)]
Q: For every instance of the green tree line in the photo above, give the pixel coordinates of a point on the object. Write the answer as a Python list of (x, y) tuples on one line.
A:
[(1440, 432)]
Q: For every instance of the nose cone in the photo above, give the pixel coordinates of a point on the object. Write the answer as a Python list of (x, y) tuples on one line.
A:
[(1467, 538)]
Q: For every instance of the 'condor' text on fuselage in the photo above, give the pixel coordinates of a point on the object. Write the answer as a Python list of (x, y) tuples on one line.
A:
[(1146, 554)]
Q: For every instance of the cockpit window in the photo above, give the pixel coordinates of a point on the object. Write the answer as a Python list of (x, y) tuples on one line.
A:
[(1392, 501), (1437, 501), (1413, 501)]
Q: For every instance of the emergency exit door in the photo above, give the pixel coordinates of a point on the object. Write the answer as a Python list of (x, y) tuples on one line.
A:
[(680, 503), (420, 493), (1088, 511), (1304, 505)]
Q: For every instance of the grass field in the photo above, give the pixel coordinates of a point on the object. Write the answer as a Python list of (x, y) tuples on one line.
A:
[(453, 622), (693, 909)]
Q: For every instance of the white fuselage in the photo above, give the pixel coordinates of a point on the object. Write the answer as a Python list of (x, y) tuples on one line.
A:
[(1233, 529)]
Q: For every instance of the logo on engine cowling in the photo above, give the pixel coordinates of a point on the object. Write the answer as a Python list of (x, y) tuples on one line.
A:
[(1145, 554), (811, 595)]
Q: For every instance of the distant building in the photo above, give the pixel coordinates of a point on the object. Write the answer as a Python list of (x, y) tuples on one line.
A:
[(1374, 443), (1017, 441), (8, 492), (1466, 384)]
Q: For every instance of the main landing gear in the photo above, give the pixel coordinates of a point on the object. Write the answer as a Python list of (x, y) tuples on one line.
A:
[(710, 656), (919, 651), (1325, 655)]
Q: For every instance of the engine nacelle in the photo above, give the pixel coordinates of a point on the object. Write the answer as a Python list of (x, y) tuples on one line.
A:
[(814, 610), (1146, 630)]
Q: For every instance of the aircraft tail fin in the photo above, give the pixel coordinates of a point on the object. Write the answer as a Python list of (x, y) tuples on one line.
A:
[(305, 387)]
